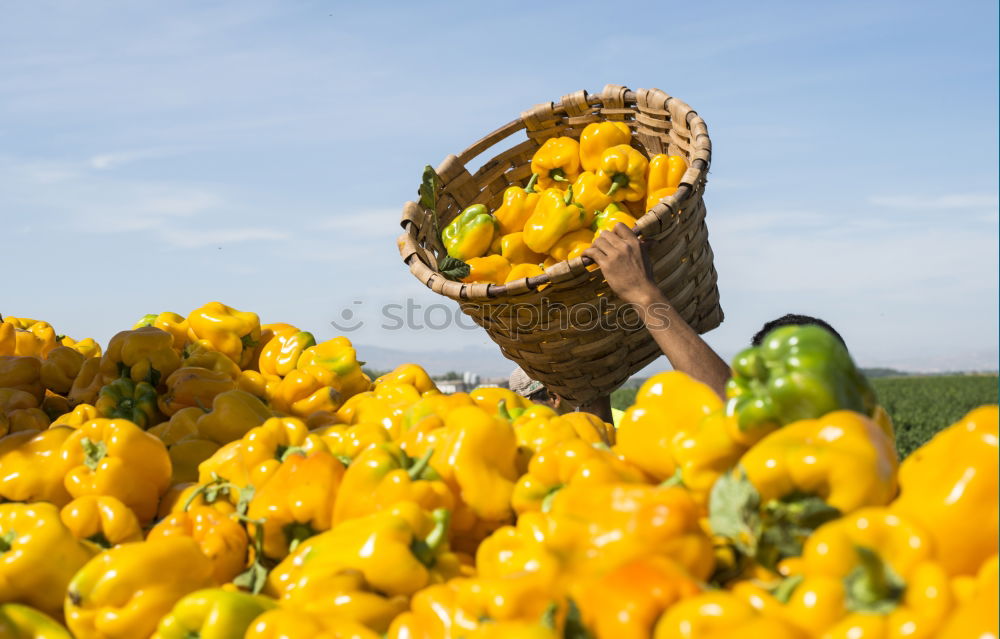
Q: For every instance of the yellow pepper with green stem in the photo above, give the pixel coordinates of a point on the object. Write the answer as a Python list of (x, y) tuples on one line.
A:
[(556, 163), (555, 215), (281, 353), (471, 233), (213, 613), (221, 537), (517, 206), (168, 322), (490, 268), (144, 354), (101, 520), (627, 170), (31, 468), (223, 328), (598, 137)]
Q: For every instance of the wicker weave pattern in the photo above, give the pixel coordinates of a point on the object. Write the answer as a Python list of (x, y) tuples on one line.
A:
[(574, 354)]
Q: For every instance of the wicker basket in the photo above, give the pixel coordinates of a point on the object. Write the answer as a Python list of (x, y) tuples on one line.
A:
[(580, 354)]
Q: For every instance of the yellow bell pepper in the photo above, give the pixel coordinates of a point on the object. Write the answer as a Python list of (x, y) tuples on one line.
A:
[(232, 416), (198, 355), (220, 537), (182, 425), (30, 337), (296, 502), (626, 602), (281, 353), (398, 551), (61, 366), (125, 399), (517, 206), (22, 373), (704, 452), (101, 520), (653, 197), (213, 613), (38, 556), (521, 271), (293, 624), (953, 479), (411, 374), (569, 461), (513, 248), (74, 418), (24, 622), (117, 458), (556, 163), (383, 476), (471, 233), (54, 406), (665, 171), (31, 468), (337, 359), (590, 191), (346, 442), (890, 585), (555, 215), (168, 322), (19, 412), (598, 137), (145, 355), (122, 593), (386, 406), (627, 169), (254, 458), (490, 268), (540, 426), (87, 384), (86, 347), (976, 614), (233, 333), (718, 614), (257, 384), (193, 386), (799, 477), (571, 245), (186, 456), (489, 398)]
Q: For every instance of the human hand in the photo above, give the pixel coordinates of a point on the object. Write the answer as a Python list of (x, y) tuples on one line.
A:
[(624, 263)]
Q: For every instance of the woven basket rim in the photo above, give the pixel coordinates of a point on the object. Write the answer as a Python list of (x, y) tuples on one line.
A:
[(697, 170)]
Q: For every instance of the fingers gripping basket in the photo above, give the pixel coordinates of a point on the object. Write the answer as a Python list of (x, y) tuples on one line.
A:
[(566, 328)]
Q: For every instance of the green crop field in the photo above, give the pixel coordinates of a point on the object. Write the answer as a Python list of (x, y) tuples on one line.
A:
[(919, 406)]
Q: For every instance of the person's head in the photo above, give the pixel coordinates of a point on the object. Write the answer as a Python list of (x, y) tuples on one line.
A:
[(533, 390), (792, 319)]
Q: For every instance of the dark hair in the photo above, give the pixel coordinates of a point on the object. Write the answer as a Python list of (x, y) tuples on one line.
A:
[(540, 396), (793, 320)]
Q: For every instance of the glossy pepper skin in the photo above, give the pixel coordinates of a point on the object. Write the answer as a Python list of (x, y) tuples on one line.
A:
[(521, 271), (571, 245), (19, 412), (513, 248), (411, 374), (101, 520), (470, 234), (223, 328), (890, 585), (221, 538), (233, 414), (540, 426), (265, 447), (798, 372), (555, 215), (560, 464), (22, 373), (720, 615), (38, 556), (193, 386), (293, 624), (87, 383), (598, 137), (337, 358), (953, 479), (347, 442), (199, 355), (626, 168), (398, 551), (213, 613), (296, 502), (665, 172), (383, 476), (556, 163), (61, 366), (115, 457), (517, 206), (29, 337), (490, 268), (31, 468), (168, 322), (144, 354), (80, 414), (124, 399), (610, 217), (122, 593), (590, 191), (281, 353), (86, 347), (18, 621)]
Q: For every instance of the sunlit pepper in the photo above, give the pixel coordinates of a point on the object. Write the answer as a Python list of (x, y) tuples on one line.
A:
[(282, 352), (31, 337), (232, 416), (86, 347), (263, 448), (117, 458), (145, 354), (950, 481), (336, 358), (38, 556), (555, 215), (169, 322), (572, 244), (198, 355), (74, 418), (31, 468), (718, 614), (471, 233), (124, 399), (556, 163), (214, 613), (513, 248), (590, 191), (412, 374), (665, 173), (18, 621), (294, 624), (610, 217), (122, 593), (61, 366), (521, 271), (627, 169), (227, 330), (540, 426), (598, 137), (490, 268), (517, 206), (220, 537), (193, 386), (182, 425), (101, 520), (346, 442)]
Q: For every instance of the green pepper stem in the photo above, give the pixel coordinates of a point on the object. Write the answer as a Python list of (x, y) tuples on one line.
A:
[(558, 175), (93, 453), (620, 180), (419, 466), (873, 586), (502, 411), (7, 540), (531, 183), (569, 195), (438, 534)]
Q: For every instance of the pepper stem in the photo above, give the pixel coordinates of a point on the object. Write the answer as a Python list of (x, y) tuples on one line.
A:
[(569, 195), (530, 188), (620, 180), (7, 540), (424, 549), (296, 532), (502, 411), (93, 452), (419, 466), (558, 175), (873, 586)]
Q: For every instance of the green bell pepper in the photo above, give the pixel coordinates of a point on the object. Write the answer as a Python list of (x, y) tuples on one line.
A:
[(470, 234), (798, 372), (124, 398), (213, 613)]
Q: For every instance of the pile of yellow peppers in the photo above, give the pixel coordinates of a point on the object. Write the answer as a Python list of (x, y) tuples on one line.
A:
[(578, 189), (209, 476)]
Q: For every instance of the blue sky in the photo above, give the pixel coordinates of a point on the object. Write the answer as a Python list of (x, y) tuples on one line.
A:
[(154, 156)]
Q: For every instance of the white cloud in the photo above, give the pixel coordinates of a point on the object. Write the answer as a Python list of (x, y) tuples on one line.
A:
[(115, 159), (948, 201), (197, 238)]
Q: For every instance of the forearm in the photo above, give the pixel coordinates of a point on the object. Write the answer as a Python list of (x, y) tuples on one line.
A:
[(684, 347)]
